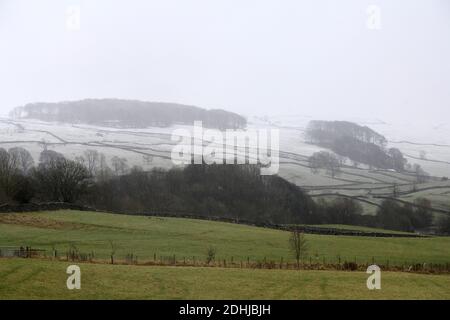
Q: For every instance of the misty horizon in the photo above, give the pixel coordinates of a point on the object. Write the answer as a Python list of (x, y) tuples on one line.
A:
[(317, 59)]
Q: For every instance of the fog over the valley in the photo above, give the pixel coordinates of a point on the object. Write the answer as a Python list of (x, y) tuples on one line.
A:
[(325, 59)]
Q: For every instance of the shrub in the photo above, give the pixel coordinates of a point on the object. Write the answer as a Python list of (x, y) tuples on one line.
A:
[(352, 266), (211, 255)]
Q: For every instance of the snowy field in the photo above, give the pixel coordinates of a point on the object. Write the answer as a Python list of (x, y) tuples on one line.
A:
[(148, 148)]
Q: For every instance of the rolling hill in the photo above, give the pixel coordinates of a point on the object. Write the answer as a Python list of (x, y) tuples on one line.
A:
[(151, 147), (148, 238)]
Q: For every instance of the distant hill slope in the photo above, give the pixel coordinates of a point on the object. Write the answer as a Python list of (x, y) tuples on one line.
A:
[(128, 114), (359, 143), (146, 237)]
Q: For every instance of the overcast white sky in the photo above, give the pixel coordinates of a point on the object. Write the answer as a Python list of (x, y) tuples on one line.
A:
[(311, 57)]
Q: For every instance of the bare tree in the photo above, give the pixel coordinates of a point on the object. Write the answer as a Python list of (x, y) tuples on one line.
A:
[(47, 157), (397, 159), (62, 179), (104, 172), (113, 250), (15, 184), (43, 144), (92, 161), (119, 165), (8, 171), (298, 245), (81, 160), (325, 160), (23, 159), (421, 175), (211, 255)]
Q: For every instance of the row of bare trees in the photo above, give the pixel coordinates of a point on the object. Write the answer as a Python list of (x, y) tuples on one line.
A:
[(237, 192), (332, 164), (97, 165), (55, 178), (15, 164)]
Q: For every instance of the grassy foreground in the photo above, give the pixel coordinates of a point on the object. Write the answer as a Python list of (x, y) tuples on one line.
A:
[(39, 279), (185, 238)]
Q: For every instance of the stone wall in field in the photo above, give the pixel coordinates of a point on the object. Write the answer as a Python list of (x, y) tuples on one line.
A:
[(50, 206)]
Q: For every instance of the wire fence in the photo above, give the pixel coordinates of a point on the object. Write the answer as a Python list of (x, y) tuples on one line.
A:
[(316, 262)]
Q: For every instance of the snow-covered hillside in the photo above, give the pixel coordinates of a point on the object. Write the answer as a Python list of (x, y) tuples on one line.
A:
[(151, 147)]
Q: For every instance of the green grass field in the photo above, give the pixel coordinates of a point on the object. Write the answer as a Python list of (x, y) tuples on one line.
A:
[(186, 238), (38, 279)]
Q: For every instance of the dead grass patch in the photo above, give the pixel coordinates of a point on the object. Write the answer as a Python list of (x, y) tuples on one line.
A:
[(32, 220)]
